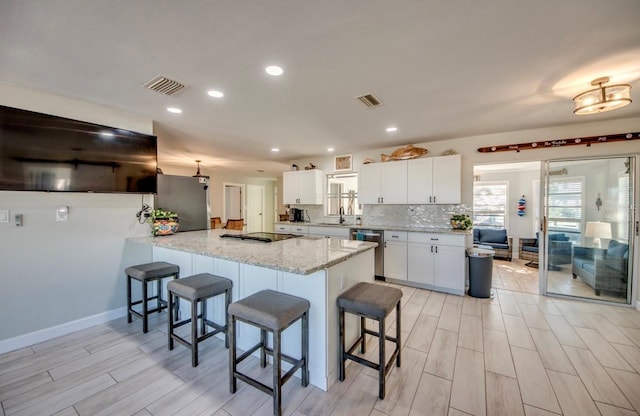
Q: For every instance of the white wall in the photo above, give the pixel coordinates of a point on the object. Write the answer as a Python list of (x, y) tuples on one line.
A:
[(53, 273)]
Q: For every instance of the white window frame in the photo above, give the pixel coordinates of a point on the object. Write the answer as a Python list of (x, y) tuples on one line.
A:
[(506, 201), (581, 221)]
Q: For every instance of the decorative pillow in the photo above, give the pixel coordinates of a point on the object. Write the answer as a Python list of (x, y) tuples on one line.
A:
[(558, 237), (617, 249), (493, 236)]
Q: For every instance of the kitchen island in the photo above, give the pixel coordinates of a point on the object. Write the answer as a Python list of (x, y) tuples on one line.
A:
[(317, 269)]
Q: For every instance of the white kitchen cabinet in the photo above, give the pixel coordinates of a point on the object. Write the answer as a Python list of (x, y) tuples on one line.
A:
[(434, 180), (302, 187), (299, 229), (383, 183), (437, 261), (282, 228), (334, 232), (395, 255)]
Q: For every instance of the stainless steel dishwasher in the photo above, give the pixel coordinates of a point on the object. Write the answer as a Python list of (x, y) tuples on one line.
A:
[(376, 236)]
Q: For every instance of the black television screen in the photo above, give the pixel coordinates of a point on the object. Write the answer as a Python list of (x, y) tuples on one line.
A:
[(40, 152)]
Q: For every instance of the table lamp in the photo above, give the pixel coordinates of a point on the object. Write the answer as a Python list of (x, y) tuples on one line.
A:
[(598, 230)]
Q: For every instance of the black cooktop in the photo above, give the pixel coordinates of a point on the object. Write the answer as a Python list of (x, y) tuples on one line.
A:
[(262, 237)]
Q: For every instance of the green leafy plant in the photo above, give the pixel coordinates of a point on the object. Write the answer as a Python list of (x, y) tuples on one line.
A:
[(161, 214), (461, 221)]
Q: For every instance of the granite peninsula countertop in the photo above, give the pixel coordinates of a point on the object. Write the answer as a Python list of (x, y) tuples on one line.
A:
[(302, 255), (413, 228)]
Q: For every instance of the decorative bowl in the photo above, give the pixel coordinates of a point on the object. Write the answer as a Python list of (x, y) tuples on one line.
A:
[(164, 227)]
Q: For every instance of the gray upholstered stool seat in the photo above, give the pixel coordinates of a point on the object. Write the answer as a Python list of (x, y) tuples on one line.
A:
[(373, 301), (270, 311), (197, 289), (147, 273)]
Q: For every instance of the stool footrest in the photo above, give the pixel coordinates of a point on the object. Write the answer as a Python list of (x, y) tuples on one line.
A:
[(377, 334), (253, 382)]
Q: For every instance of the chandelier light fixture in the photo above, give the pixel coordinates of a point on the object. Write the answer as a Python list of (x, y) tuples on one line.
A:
[(601, 99)]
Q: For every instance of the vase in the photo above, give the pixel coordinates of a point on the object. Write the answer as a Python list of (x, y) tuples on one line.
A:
[(164, 226)]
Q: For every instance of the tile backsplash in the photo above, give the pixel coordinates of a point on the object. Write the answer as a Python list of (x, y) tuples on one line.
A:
[(427, 216)]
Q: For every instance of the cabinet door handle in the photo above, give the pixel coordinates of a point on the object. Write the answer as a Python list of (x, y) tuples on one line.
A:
[(385, 244), (382, 199), (430, 198), (434, 199), (434, 239), (432, 249), (436, 249)]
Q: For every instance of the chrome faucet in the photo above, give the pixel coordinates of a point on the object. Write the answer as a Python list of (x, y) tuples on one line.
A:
[(341, 211)]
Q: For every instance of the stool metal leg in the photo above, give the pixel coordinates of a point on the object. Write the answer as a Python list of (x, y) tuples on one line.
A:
[(382, 365), (170, 320), (203, 308), (363, 328), (341, 346), (277, 380), (129, 317), (398, 337), (145, 308), (227, 302), (194, 333), (305, 349), (232, 354), (263, 348), (159, 290)]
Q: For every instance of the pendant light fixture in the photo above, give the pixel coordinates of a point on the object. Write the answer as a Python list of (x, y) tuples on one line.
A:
[(601, 99), (198, 174)]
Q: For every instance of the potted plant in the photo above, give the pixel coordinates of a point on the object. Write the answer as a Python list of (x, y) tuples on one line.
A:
[(162, 222), (460, 222)]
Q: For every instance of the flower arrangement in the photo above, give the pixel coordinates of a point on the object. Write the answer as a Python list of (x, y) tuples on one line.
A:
[(162, 222), (460, 222)]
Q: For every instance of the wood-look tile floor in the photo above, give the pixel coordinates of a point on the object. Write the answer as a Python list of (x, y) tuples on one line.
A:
[(515, 354)]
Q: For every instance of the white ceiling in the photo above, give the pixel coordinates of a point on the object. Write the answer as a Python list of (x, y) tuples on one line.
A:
[(444, 69)]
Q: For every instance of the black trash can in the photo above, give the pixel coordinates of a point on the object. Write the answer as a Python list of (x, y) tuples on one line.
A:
[(480, 271)]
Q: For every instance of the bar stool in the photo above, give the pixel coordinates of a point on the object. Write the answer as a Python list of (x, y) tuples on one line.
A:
[(197, 289), (146, 273), (373, 301), (275, 312)]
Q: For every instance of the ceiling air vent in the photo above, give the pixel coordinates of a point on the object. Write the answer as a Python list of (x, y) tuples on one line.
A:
[(163, 85), (370, 100)]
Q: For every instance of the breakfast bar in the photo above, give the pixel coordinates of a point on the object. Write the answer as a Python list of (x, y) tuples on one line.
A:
[(317, 269)]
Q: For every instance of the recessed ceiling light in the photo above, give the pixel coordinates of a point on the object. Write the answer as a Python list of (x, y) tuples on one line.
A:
[(331, 149), (391, 129), (174, 110), (215, 93), (275, 149), (274, 70)]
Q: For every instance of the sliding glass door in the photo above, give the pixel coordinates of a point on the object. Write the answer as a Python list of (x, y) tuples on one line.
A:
[(588, 232)]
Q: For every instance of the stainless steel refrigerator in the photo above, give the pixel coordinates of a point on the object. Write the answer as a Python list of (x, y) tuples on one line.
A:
[(188, 197)]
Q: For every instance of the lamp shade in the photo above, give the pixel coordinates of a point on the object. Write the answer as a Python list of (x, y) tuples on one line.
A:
[(598, 229)]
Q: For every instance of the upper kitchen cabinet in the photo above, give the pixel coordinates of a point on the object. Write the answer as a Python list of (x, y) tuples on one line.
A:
[(435, 180), (383, 183), (302, 187)]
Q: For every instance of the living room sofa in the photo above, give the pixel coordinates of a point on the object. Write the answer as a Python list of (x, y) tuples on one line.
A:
[(559, 250), (603, 269), (497, 239)]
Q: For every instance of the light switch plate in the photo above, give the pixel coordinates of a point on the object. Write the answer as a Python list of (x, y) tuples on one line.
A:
[(62, 213), (4, 215)]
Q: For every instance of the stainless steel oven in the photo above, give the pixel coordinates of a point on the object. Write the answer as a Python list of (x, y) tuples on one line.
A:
[(376, 236)]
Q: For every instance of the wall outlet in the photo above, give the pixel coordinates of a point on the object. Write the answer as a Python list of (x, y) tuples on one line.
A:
[(62, 213), (4, 215), (18, 220)]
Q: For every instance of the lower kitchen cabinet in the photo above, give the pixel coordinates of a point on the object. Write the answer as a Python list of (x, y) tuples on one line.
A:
[(395, 255), (436, 261)]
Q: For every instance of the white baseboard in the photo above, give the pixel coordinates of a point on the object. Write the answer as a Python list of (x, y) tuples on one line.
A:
[(46, 334)]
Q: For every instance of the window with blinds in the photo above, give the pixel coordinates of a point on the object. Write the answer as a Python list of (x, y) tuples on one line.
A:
[(565, 204), (623, 208), (490, 209)]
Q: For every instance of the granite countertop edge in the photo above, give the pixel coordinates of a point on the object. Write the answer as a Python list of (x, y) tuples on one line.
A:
[(434, 230), (249, 252)]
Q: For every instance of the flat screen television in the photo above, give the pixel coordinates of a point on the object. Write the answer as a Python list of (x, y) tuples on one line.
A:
[(41, 152)]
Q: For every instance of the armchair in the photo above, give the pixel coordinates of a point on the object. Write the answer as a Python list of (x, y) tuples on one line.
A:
[(496, 239), (559, 250), (603, 269)]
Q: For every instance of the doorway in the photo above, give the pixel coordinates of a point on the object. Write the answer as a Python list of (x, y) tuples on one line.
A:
[(233, 204), (588, 228), (255, 208)]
